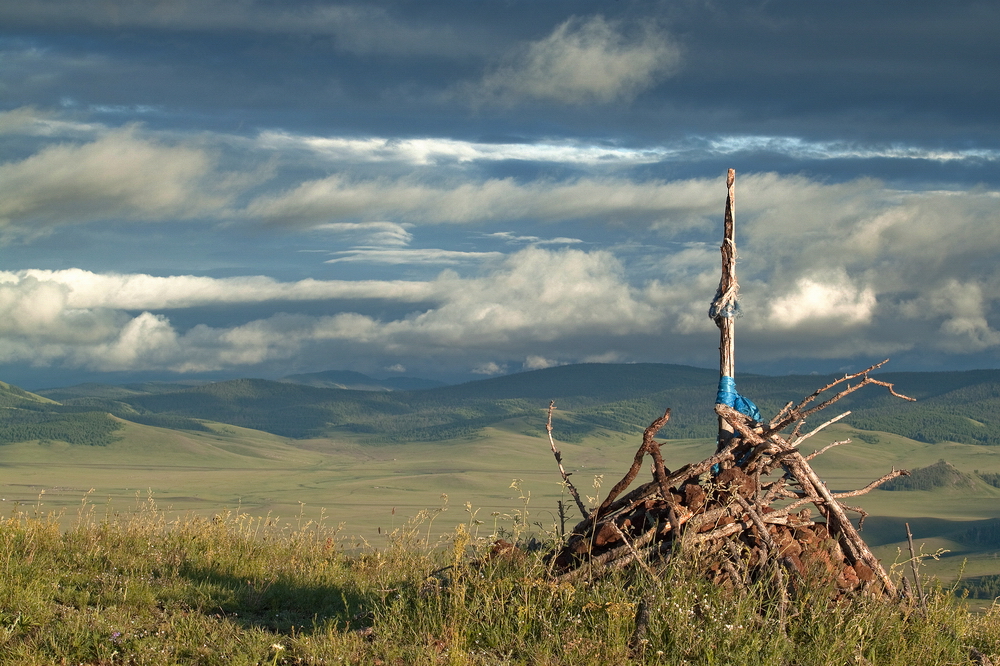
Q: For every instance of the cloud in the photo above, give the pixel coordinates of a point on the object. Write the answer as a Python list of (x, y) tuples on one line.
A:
[(435, 150), (828, 301), (29, 121), (962, 308), (76, 289), (828, 270), (798, 148), (339, 198), (118, 176), (18, 121), (895, 240), (41, 310), (513, 239), (531, 298), (145, 341), (490, 368), (611, 356), (371, 233), (410, 256), (538, 363), (535, 295), (128, 174), (583, 61)]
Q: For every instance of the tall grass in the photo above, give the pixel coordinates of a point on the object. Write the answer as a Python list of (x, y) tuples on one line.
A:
[(236, 589)]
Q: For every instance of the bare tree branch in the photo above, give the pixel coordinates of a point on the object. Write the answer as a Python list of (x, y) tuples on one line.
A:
[(558, 455)]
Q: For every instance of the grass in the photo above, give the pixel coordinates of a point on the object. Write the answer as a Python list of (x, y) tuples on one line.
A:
[(374, 489), (260, 473), (233, 589)]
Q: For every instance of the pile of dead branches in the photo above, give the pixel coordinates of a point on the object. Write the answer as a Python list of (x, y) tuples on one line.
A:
[(754, 508)]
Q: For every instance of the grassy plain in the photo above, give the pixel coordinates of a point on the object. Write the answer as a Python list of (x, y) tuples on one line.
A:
[(373, 489), (369, 488), (232, 590), (222, 546)]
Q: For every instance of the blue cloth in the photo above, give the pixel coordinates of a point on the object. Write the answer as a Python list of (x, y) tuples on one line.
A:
[(725, 310), (728, 396)]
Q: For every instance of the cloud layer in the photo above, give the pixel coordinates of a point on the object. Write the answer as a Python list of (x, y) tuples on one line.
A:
[(830, 269), (816, 294), (257, 187)]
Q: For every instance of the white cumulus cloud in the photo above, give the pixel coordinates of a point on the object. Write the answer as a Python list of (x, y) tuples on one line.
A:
[(583, 61), (829, 301)]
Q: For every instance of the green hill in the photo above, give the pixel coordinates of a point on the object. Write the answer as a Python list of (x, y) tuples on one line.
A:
[(959, 407), (13, 397), (346, 379), (26, 416), (939, 475)]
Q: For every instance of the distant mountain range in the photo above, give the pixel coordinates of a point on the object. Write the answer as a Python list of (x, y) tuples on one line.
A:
[(953, 406), (355, 381)]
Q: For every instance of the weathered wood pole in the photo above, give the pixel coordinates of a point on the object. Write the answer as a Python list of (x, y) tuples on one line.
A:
[(725, 300)]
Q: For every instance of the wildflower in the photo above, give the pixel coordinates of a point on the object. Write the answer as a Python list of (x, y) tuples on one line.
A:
[(277, 647)]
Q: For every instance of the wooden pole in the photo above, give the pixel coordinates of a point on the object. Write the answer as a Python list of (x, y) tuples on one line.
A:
[(727, 285)]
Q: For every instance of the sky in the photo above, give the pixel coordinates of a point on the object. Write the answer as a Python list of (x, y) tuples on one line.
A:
[(457, 189)]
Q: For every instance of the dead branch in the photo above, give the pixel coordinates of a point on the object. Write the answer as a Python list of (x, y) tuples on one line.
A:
[(562, 471), (799, 411), (827, 448), (721, 505), (802, 438), (873, 485), (648, 446)]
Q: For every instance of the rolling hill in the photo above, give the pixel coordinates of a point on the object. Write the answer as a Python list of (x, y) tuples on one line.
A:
[(346, 379), (27, 416), (953, 406), (272, 445)]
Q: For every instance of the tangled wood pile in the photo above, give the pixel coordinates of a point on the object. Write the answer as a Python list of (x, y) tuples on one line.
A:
[(745, 511)]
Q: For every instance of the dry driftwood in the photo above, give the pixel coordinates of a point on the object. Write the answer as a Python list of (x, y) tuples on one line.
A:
[(744, 508)]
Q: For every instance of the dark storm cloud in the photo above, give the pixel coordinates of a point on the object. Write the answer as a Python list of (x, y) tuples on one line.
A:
[(910, 72), (892, 70)]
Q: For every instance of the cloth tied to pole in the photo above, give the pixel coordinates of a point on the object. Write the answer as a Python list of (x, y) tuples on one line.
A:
[(726, 305), (728, 396)]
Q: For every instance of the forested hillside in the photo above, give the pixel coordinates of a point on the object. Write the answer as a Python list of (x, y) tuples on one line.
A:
[(952, 406), (26, 416)]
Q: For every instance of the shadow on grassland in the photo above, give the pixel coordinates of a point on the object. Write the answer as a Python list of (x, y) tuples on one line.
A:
[(277, 603)]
